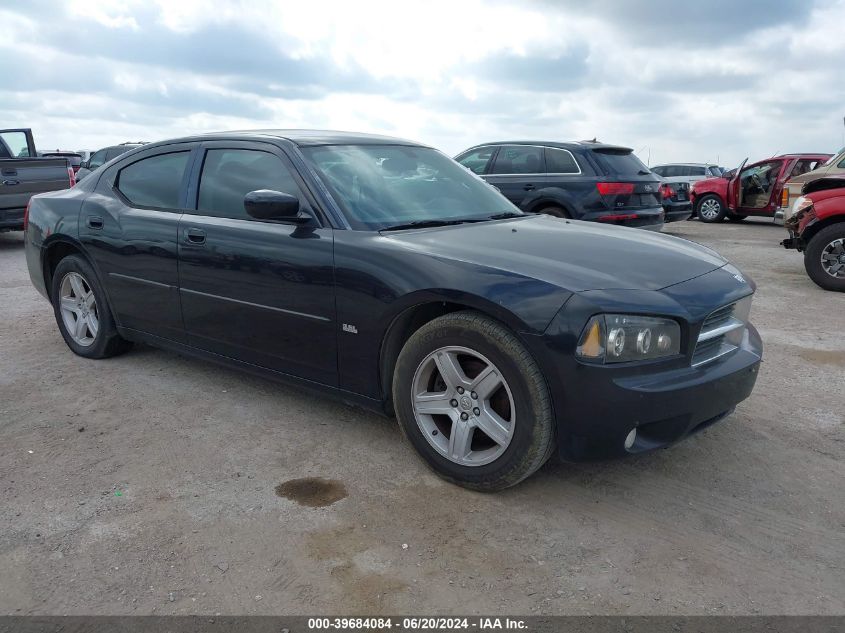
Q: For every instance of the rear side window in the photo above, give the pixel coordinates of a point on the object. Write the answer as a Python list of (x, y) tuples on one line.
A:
[(560, 161), (229, 174), (154, 181), (696, 171), (477, 160), (519, 159), (620, 162), (660, 171)]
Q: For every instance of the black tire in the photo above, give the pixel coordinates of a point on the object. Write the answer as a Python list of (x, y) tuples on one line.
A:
[(709, 199), (107, 342), (555, 211), (736, 218), (813, 257), (533, 439)]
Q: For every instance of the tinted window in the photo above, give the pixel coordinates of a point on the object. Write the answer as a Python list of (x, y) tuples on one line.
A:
[(518, 159), (714, 171), (620, 162), (114, 152), (97, 159), (673, 171), (229, 174), (13, 145), (697, 171), (660, 171), (154, 181), (560, 161), (477, 160), (841, 163)]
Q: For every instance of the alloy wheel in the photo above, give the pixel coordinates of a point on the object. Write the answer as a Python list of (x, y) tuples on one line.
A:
[(463, 406), (710, 209), (79, 309), (833, 258)]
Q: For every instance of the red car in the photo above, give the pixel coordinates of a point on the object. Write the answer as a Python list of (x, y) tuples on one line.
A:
[(752, 190), (817, 228)]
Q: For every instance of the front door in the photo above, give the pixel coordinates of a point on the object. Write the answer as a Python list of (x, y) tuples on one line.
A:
[(257, 291)]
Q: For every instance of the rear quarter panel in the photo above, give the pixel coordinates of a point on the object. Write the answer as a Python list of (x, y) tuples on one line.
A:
[(53, 217)]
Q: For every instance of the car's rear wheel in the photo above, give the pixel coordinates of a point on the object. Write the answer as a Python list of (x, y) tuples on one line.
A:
[(710, 209), (736, 218), (824, 258), (472, 401), (81, 310)]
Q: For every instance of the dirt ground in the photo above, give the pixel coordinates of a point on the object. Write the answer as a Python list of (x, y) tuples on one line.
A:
[(152, 483)]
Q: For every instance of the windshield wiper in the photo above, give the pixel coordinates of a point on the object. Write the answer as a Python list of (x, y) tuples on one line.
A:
[(505, 215), (422, 224)]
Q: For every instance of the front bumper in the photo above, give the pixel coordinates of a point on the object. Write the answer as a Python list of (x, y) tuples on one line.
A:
[(598, 405), (664, 408)]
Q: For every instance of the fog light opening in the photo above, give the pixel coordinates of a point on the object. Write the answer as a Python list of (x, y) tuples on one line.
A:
[(630, 439)]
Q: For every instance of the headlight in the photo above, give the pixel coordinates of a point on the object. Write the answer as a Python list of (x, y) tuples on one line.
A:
[(619, 338)]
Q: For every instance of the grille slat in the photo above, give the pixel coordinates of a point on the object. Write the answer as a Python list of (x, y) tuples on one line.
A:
[(712, 343)]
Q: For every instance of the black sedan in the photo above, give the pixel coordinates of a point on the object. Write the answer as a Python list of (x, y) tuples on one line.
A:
[(383, 272)]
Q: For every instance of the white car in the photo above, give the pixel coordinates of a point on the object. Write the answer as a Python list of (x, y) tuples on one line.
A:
[(687, 172)]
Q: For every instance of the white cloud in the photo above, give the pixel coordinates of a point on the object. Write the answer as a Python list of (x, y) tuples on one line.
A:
[(447, 73)]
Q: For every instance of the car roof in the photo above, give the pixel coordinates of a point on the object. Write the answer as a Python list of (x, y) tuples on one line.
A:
[(687, 164), (303, 137), (570, 145)]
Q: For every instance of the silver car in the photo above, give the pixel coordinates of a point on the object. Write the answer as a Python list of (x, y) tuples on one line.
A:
[(687, 172)]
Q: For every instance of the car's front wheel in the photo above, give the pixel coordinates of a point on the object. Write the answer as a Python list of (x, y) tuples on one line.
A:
[(83, 316), (824, 258), (710, 209), (473, 402)]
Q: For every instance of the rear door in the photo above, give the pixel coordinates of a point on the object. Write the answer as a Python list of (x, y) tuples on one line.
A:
[(517, 171), (129, 225), (257, 291)]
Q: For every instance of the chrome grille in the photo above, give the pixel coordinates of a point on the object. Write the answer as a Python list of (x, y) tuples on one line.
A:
[(721, 332)]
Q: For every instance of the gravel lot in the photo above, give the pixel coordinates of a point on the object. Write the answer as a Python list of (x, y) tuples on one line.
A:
[(147, 484)]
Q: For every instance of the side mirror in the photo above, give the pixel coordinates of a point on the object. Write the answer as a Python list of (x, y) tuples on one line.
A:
[(265, 204), (83, 164)]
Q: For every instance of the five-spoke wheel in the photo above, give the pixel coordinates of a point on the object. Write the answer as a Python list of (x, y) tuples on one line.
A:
[(79, 309), (463, 405)]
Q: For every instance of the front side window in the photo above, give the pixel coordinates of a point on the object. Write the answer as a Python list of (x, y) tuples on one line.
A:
[(378, 186), (477, 160), (518, 159), (155, 181), (229, 174), (560, 161)]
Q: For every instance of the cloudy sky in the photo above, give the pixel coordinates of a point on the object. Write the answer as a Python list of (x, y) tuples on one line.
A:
[(675, 80)]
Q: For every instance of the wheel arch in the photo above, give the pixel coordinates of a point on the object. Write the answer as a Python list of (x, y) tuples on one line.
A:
[(411, 318), (811, 230), (551, 198), (55, 250)]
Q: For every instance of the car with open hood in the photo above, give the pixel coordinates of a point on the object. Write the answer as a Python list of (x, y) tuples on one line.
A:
[(381, 271)]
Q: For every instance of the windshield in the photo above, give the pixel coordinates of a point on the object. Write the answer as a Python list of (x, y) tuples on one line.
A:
[(380, 186)]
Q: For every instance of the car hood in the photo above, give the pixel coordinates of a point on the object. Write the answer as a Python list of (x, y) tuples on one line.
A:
[(573, 255)]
